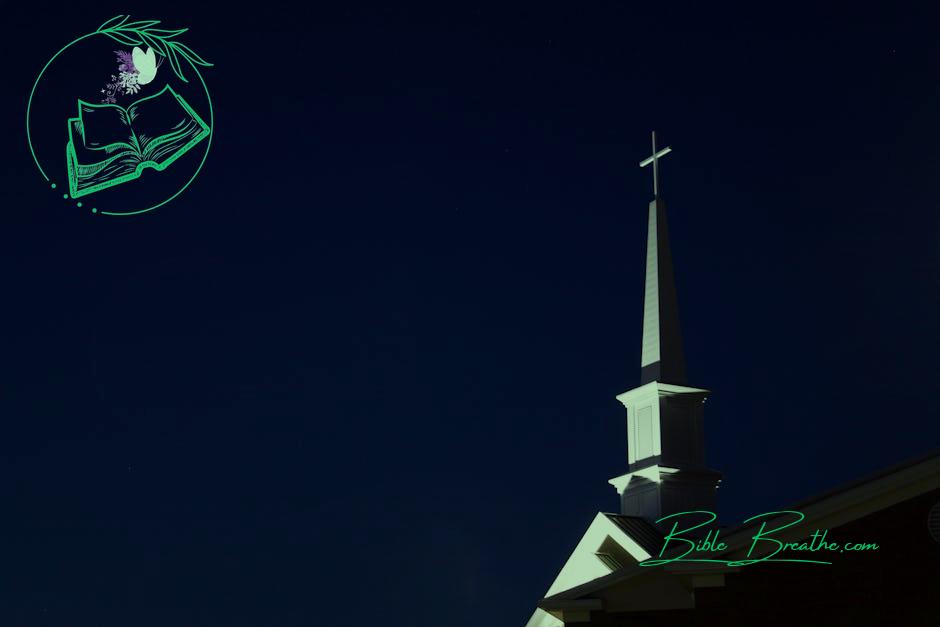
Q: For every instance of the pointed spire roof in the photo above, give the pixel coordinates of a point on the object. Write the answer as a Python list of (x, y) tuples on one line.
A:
[(663, 359)]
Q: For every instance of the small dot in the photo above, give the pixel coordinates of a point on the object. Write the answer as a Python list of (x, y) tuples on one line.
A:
[(53, 186), (79, 204), (65, 195), (94, 210)]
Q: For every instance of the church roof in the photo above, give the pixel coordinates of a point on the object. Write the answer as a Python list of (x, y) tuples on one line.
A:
[(641, 530), (829, 509)]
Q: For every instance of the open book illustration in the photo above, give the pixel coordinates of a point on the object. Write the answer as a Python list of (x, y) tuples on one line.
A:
[(109, 145)]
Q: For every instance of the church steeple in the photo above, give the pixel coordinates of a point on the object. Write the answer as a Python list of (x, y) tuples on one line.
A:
[(665, 425), (662, 358)]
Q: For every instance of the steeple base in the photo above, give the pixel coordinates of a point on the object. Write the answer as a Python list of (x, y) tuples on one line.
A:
[(656, 491)]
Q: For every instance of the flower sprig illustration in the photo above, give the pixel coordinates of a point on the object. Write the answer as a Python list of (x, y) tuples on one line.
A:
[(126, 80), (162, 40)]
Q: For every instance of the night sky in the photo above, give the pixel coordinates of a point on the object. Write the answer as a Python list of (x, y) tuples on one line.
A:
[(362, 372)]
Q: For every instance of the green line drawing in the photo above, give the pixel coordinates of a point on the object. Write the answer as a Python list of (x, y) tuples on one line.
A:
[(160, 39), (166, 44), (161, 128)]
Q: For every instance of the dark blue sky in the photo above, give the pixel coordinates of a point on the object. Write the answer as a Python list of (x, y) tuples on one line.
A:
[(363, 371)]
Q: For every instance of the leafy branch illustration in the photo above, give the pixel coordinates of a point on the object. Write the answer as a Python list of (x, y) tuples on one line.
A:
[(163, 41)]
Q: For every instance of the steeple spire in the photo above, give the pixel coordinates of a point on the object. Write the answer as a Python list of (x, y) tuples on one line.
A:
[(662, 358), (665, 422)]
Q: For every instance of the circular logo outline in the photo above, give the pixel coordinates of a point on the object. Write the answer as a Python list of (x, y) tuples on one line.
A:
[(113, 28)]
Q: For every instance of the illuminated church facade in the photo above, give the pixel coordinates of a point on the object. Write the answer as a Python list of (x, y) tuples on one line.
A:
[(603, 581)]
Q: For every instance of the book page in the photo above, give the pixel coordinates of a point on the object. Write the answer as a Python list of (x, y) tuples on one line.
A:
[(104, 126), (157, 115), (94, 168), (165, 127)]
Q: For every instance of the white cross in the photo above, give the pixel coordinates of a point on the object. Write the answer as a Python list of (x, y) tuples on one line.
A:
[(654, 159)]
